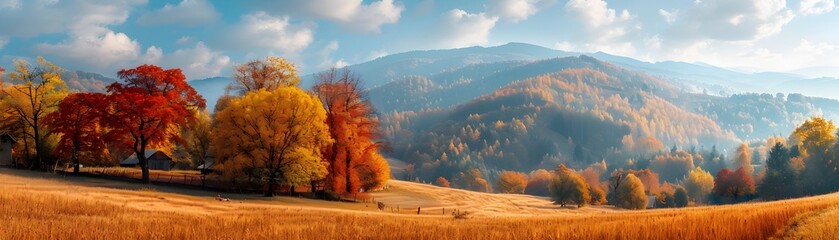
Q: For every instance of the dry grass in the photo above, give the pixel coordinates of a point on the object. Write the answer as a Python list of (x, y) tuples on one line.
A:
[(60, 209), (815, 225)]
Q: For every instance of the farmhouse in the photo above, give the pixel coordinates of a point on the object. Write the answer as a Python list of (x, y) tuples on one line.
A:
[(7, 142), (158, 160), (207, 167)]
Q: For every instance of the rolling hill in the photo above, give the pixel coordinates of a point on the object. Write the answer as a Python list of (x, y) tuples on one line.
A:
[(45, 206)]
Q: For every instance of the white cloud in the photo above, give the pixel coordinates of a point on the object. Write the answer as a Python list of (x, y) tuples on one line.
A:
[(91, 44), (42, 17), (807, 47), (353, 14), (325, 55), (669, 16), (515, 10), (198, 62), (262, 31), (100, 50), (10, 4), (653, 42), (184, 40), (731, 20), (188, 12), (341, 63), (816, 7), (595, 13), (461, 29), (564, 46), (376, 54), (604, 29)]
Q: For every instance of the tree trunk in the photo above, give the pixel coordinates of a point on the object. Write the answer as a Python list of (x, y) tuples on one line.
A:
[(76, 158), (291, 190), (38, 144), (270, 191), (271, 184), (144, 164), (348, 170)]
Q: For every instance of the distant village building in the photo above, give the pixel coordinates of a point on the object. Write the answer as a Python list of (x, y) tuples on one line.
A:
[(207, 167), (651, 201), (157, 160), (7, 143)]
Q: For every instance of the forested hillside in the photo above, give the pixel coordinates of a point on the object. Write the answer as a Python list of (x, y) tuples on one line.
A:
[(527, 115)]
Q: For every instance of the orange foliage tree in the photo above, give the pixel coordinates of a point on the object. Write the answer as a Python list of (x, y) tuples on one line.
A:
[(538, 183), (148, 108), (78, 120), (511, 182), (442, 182), (353, 126)]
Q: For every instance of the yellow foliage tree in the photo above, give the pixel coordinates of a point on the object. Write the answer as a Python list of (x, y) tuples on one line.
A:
[(569, 187), (274, 136), (814, 136), (743, 158), (698, 184), (630, 194), (269, 74), (37, 91)]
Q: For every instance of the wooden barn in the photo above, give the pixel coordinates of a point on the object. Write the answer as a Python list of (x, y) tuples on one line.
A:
[(7, 143), (158, 160)]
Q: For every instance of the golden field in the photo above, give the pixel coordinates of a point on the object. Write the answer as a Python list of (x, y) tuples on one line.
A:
[(44, 206)]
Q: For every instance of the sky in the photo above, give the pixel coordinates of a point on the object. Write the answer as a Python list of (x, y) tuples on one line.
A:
[(206, 38)]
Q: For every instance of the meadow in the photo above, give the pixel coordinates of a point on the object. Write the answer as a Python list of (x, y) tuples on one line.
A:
[(44, 206)]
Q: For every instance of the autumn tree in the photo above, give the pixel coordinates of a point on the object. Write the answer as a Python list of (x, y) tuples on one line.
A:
[(473, 180), (817, 140), (352, 124), (665, 199), (566, 187), (743, 158), (37, 91), (269, 74), (148, 108), (680, 197), (672, 166), (537, 184), (79, 122), (698, 184), (197, 137), (442, 182), (511, 182), (373, 172), (598, 196), (731, 186), (273, 137), (630, 193)]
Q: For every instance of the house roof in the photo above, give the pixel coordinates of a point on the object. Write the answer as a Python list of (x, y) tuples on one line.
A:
[(7, 135), (209, 162), (133, 158)]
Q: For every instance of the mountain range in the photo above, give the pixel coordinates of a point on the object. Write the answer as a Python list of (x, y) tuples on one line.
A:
[(521, 107)]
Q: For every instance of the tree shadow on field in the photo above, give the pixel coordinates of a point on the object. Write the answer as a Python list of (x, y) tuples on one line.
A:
[(123, 184)]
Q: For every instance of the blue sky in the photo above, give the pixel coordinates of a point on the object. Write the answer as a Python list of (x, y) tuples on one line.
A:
[(206, 38)]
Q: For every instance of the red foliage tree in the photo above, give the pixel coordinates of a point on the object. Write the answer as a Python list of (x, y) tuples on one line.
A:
[(78, 120), (148, 108), (732, 185)]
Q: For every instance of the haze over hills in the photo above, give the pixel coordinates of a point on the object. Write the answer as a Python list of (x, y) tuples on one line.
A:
[(440, 92)]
